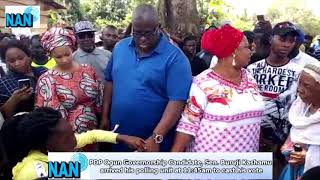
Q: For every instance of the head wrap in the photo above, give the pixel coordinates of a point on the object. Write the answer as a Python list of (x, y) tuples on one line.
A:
[(313, 70), (221, 42), (56, 37)]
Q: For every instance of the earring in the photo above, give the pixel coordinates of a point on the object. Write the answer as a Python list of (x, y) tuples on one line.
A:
[(233, 60)]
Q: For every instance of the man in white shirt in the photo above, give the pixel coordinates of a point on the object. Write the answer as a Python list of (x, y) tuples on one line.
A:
[(302, 59), (299, 57), (277, 78)]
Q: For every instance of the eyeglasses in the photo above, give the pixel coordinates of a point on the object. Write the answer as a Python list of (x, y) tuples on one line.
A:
[(147, 34), (85, 35)]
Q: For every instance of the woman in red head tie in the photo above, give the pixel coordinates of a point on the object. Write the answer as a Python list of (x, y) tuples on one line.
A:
[(69, 87), (224, 109)]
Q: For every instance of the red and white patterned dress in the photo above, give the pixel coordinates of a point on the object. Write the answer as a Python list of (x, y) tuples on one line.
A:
[(78, 96), (222, 116)]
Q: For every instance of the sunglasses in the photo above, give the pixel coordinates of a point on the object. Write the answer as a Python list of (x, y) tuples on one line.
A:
[(85, 35)]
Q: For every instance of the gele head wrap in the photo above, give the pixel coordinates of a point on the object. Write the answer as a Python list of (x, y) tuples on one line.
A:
[(57, 37), (221, 42)]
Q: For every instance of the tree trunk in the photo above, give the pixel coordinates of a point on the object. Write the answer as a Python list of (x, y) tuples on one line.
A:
[(179, 16)]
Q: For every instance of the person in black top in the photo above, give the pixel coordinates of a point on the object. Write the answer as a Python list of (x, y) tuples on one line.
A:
[(14, 97), (189, 49), (307, 44), (250, 37), (262, 34), (311, 174), (38, 54), (189, 46)]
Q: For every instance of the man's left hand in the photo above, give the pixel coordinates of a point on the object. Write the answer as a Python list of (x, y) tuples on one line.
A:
[(151, 145)]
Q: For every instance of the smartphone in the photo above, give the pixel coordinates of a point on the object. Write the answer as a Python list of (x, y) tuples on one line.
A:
[(297, 148), (260, 18), (24, 83)]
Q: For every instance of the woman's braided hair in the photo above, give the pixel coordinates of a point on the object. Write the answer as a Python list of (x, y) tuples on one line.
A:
[(28, 131)]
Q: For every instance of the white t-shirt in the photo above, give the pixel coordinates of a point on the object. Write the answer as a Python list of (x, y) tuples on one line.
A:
[(278, 86), (304, 59)]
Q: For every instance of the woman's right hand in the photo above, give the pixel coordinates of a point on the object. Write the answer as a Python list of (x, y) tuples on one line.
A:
[(21, 94)]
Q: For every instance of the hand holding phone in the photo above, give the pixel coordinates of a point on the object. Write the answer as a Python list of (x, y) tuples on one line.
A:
[(21, 94), (260, 18), (24, 83)]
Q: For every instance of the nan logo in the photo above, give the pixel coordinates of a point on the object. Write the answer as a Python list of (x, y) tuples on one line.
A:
[(22, 16), (71, 169)]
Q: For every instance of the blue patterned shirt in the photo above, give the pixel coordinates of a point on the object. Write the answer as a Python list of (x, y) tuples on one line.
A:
[(9, 83)]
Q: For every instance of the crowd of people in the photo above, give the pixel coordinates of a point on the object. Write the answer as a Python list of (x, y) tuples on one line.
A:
[(225, 91)]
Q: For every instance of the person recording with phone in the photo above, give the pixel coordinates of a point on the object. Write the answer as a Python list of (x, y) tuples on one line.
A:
[(262, 33), (17, 87)]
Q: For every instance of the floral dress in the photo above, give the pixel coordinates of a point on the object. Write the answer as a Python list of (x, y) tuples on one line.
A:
[(78, 96), (222, 116)]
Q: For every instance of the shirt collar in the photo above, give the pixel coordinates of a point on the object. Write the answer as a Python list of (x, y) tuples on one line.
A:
[(83, 53), (158, 49), (298, 57)]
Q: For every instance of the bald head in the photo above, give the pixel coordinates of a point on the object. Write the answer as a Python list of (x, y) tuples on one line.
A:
[(145, 12), (145, 26)]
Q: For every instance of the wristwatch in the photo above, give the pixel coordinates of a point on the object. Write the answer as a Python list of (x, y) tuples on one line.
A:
[(158, 138)]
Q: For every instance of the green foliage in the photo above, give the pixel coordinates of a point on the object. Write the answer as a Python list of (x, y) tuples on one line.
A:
[(296, 12), (103, 12), (212, 12), (70, 16), (243, 21), (203, 9), (215, 12), (115, 12), (73, 11), (53, 17), (219, 11), (137, 2)]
